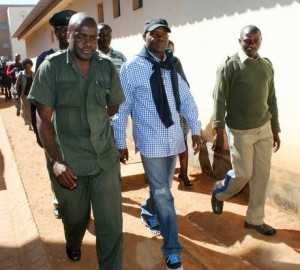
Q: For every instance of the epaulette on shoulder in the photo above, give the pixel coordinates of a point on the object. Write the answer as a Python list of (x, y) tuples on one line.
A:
[(103, 59), (55, 55), (268, 61), (225, 62)]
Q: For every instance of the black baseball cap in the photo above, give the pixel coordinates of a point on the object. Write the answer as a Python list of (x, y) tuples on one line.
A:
[(155, 23), (61, 18)]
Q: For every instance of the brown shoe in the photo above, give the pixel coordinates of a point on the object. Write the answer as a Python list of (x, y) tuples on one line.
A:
[(263, 229)]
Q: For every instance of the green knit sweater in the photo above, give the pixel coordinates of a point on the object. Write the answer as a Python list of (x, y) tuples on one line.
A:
[(244, 95)]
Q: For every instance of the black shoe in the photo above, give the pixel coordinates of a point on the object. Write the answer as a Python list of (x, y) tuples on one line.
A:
[(56, 211), (216, 205), (186, 181), (263, 229), (73, 255)]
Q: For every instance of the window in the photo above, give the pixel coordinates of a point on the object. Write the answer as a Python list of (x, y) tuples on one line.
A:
[(136, 4), (100, 13), (116, 8)]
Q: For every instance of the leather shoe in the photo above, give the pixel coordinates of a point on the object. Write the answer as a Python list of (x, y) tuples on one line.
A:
[(216, 205), (263, 229), (73, 255), (186, 181)]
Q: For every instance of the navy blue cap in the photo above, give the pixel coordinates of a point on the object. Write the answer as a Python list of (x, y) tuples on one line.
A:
[(61, 18), (155, 23)]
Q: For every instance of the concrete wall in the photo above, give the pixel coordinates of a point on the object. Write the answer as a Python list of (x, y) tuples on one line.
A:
[(205, 32), (16, 15), (203, 44), (43, 39)]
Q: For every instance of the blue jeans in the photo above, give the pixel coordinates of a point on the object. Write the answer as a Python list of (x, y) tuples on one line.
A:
[(160, 172)]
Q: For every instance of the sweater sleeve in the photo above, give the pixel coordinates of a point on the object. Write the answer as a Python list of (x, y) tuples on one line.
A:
[(272, 102), (219, 95)]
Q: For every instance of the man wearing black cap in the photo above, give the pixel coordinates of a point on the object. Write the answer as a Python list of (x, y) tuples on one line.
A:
[(59, 22), (156, 92)]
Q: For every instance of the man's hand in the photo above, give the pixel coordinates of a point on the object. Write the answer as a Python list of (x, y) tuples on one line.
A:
[(197, 142), (112, 110), (276, 142), (218, 145), (123, 155), (65, 176)]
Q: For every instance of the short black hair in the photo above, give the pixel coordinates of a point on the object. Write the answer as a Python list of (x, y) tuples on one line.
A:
[(81, 19), (249, 29), (26, 61), (103, 26)]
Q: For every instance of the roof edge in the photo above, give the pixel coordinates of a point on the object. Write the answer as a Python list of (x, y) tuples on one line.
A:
[(37, 13)]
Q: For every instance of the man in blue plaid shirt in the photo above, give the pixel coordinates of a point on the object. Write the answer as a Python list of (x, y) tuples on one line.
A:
[(156, 92)]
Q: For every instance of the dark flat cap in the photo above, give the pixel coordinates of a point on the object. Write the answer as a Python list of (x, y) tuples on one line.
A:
[(155, 23), (61, 18)]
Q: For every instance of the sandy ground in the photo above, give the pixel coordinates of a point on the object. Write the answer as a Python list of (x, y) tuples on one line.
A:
[(209, 241)]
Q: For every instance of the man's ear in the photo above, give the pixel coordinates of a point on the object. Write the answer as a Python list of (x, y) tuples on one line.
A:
[(144, 36)]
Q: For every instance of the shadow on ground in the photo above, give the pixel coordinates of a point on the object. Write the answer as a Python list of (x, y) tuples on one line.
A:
[(201, 184), (5, 104), (142, 253)]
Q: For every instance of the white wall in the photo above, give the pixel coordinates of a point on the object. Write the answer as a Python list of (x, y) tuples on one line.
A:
[(205, 32), (16, 15), (41, 40)]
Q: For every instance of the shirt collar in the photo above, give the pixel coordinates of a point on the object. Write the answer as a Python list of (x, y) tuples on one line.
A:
[(110, 52), (243, 57), (70, 60), (155, 57)]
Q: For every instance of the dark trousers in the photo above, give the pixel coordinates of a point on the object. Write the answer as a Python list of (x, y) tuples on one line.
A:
[(102, 192)]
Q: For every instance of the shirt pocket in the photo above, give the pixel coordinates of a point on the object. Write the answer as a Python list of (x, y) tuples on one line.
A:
[(102, 94), (68, 94)]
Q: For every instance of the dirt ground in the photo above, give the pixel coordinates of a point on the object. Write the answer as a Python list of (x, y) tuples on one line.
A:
[(209, 241)]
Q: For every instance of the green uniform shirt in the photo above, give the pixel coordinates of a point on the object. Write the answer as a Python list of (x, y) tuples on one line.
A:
[(244, 96), (117, 58), (82, 127)]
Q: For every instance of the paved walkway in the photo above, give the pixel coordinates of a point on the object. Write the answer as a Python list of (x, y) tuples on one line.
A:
[(209, 241), (20, 245)]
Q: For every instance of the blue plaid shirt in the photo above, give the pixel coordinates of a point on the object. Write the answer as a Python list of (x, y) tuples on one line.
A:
[(151, 137)]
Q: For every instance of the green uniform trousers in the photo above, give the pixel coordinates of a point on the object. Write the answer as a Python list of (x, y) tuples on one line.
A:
[(103, 193)]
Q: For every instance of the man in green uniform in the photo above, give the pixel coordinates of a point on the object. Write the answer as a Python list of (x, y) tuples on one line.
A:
[(73, 91), (105, 50), (245, 99), (59, 21)]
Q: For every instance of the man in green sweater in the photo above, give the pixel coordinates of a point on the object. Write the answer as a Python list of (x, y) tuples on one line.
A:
[(244, 99)]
